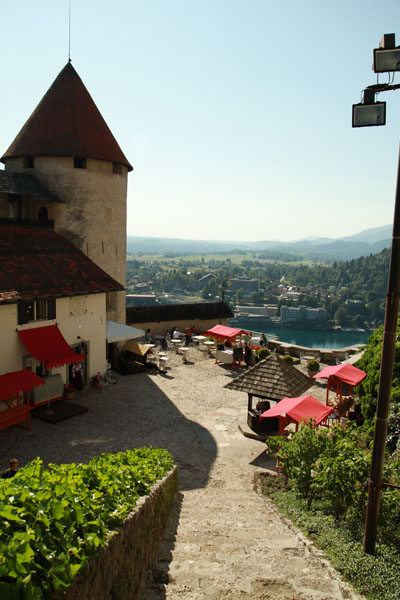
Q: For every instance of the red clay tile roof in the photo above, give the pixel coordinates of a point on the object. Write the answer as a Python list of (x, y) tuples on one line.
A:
[(38, 263), (67, 122)]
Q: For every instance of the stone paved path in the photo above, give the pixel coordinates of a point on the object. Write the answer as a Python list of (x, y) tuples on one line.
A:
[(224, 541)]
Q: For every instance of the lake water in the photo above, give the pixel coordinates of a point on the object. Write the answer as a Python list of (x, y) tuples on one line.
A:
[(319, 339)]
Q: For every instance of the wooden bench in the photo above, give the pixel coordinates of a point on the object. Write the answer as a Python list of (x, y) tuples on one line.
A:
[(16, 412)]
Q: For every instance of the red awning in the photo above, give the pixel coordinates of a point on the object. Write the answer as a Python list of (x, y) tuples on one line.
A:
[(222, 331), (48, 345), (300, 409), (347, 373), (18, 381)]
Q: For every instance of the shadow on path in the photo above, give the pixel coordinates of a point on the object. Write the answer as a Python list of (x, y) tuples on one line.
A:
[(131, 414)]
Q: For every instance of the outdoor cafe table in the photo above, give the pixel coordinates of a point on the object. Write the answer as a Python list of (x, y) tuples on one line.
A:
[(209, 345), (183, 350), (176, 343), (199, 339)]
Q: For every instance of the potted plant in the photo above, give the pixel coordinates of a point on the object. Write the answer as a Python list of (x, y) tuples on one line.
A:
[(313, 366), (68, 391), (96, 380)]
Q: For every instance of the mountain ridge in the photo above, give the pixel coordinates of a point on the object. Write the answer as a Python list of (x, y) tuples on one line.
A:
[(368, 241)]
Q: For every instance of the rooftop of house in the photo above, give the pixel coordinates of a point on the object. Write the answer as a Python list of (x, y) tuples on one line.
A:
[(177, 312), (272, 378), (38, 263), (67, 122), (22, 184)]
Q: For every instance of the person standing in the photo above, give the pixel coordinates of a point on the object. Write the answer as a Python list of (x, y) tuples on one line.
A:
[(12, 470), (247, 355)]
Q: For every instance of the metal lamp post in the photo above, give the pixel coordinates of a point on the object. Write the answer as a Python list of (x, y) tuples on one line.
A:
[(369, 112)]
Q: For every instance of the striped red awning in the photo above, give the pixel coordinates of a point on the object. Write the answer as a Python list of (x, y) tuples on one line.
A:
[(48, 345)]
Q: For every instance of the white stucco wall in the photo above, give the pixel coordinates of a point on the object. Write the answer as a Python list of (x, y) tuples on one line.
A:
[(84, 316)]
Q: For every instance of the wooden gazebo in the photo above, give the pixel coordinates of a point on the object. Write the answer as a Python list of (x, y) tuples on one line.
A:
[(270, 380)]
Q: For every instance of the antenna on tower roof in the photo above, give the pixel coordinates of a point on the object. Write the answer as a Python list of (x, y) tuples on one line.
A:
[(69, 32)]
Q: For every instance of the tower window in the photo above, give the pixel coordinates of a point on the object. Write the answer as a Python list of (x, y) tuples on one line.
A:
[(14, 207), (27, 162), (79, 162), (42, 215), (117, 168)]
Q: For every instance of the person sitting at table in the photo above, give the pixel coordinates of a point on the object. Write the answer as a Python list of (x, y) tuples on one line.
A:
[(147, 336), (176, 334), (263, 340), (228, 344)]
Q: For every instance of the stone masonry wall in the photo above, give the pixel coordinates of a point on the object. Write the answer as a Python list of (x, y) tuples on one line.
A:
[(158, 327), (93, 214), (120, 571)]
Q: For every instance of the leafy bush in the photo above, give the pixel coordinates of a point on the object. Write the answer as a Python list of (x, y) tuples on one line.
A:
[(370, 362), (54, 520), (342, 470), (262, 353), (288, 359), (297, 456), (313, 365), (334, 466)]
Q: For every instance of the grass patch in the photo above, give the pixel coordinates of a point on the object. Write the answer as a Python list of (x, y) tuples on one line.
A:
[(376, 577)]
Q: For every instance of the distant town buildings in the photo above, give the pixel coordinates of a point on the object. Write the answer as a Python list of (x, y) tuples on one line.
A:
[(312, 317), (246, 284), (141, 300)]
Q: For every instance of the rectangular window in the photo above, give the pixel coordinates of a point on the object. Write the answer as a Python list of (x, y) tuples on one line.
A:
[(36, 310), (79, 162), (117, 168), (11, 208), (28, 162)]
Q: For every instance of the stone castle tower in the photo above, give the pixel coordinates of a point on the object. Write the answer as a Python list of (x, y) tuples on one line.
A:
[(67, 146)]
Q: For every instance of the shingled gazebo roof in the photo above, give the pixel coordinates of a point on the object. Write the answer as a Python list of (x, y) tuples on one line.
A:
[(273, 379)]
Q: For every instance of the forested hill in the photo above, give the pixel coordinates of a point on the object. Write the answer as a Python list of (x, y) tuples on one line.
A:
[(364, 274)]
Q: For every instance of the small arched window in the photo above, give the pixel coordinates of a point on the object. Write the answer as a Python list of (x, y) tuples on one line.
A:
[(43, 217)]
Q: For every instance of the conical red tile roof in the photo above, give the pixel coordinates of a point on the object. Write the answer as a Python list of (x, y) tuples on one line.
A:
[(67, 122)]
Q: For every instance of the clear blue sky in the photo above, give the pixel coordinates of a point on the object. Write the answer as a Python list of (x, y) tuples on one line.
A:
[(236, 114)]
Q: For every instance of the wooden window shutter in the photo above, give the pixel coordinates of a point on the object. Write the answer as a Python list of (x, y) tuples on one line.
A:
[(51, 308), (22, 312)]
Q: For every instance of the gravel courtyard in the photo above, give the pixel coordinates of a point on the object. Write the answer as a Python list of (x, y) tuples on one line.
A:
[(223, 541)]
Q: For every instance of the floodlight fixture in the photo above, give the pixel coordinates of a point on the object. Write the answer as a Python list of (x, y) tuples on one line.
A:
[(387, 56), (369, 113)]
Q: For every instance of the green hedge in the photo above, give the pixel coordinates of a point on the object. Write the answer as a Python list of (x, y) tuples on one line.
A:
[(54, 520)]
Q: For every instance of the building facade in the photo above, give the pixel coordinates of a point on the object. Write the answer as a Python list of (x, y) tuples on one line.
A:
[(302, 315), (62, 237), (66, 146)]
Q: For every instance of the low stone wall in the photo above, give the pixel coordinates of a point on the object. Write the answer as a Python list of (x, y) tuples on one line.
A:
[(323, 355), (120, 571)]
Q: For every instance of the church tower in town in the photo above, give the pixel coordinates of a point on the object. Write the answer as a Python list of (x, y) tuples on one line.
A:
[(67, 146)]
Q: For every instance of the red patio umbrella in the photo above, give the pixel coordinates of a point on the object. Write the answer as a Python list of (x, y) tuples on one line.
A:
[(296, 410), (338, 375)]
